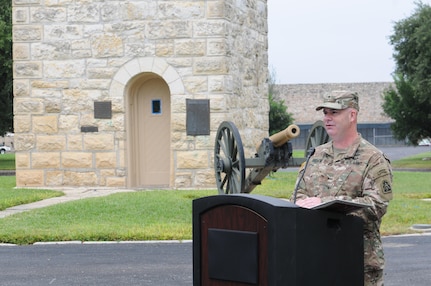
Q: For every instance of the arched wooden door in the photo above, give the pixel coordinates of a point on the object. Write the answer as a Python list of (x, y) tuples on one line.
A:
[(149, 126)]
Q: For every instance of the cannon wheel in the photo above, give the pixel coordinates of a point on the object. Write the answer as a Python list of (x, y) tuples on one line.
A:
[(229, 162), (317, 136)]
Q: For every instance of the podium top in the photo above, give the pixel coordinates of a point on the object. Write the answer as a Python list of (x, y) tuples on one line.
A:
[(237, 198), (276, 202)]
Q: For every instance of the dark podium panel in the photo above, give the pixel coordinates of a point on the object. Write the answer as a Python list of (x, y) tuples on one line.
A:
[(247, 239)]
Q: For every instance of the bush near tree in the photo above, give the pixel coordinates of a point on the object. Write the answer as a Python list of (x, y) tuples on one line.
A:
[(279, 118)]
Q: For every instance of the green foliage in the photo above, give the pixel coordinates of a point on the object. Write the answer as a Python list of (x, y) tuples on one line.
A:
[(6, 77), (409, 104), (279, 118), (411, 113)]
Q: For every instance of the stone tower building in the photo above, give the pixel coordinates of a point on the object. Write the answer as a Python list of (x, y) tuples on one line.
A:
[(131, 93)]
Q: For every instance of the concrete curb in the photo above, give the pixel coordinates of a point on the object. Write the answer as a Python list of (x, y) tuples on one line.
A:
[(78, 242), (421, 227)]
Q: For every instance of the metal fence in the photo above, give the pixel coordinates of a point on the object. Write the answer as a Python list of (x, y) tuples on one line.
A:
[(377, 134)]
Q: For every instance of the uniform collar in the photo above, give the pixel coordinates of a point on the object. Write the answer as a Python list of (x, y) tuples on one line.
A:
[(350, 152)]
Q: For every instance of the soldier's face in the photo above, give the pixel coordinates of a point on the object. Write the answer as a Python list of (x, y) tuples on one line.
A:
[(336, 121)]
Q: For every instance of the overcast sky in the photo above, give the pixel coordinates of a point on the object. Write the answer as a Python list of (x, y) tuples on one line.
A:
[(333, 41)]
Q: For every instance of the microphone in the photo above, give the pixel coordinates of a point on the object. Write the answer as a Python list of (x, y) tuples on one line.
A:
[(310, 153)]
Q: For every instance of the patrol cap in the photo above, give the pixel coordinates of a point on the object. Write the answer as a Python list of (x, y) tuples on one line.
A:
[(340, 100)]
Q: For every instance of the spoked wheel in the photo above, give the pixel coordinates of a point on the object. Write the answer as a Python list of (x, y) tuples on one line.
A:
[(317, 136), (229, 162)]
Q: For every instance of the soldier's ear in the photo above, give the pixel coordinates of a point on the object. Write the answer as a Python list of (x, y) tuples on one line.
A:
[(353, 114)]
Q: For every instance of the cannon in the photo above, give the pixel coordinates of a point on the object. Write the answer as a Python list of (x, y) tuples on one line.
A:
[(230, 164), (272, 154)]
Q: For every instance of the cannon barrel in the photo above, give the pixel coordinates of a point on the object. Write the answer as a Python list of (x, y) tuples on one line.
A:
[(280, 138)]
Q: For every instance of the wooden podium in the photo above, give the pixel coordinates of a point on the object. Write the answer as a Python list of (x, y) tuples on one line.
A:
[(247, 239)]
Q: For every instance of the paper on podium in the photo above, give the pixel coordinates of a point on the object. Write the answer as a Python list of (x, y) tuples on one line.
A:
[(341, 206)]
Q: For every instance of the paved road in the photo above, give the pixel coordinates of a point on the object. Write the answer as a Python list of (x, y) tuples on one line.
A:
[(408, 260), (155, 264), (166, 264), (396, 153)]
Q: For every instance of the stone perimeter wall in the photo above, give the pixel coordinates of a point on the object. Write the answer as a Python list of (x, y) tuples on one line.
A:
[(301, 100), (67, 55)]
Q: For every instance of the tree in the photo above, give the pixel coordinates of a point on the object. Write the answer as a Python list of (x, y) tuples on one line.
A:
[(6, 77), (279, 118), (409, 103)]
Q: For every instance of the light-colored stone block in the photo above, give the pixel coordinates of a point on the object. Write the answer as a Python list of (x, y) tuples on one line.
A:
[(116, 182), (22, 160), (183, 180), (24, 142), (72, 160), (22, 123), (75, 142), (30, 178), (21, 51), (45, 124), (106, 160), (51, 143), (192, 159), (76, 178), (54, 178), (45, 160), (98, 142)]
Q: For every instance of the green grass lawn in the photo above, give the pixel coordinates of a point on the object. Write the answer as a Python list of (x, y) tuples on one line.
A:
[(7, 161), (10, 197), (167, 214), (419, 161)]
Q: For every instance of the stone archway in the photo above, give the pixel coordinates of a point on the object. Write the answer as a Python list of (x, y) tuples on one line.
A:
[(147, 85)]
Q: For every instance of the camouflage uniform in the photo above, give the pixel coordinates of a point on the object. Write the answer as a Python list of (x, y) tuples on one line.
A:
[(362, 174)]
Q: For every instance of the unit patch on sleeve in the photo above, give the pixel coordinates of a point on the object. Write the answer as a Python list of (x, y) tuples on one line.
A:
[(386, 187)]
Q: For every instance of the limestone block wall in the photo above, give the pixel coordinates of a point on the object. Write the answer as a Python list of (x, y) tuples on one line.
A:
[(301, 100), (247, 42), (70, 54)]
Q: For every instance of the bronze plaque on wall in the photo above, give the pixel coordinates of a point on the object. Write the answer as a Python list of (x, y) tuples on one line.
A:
[(198, 117), (102, 110)]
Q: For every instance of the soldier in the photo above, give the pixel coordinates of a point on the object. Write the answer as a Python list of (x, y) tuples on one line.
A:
[(350, 168)]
